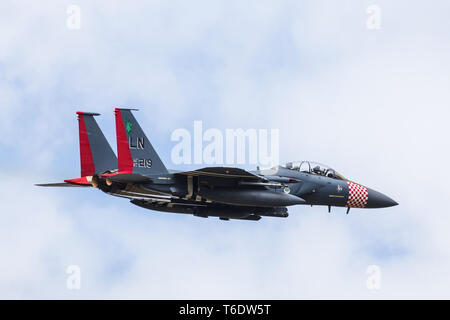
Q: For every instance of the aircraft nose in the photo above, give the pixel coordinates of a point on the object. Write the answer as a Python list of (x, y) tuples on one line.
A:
[(378, 200)]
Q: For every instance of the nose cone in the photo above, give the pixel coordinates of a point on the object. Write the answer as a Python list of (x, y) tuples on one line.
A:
[(378, 200)]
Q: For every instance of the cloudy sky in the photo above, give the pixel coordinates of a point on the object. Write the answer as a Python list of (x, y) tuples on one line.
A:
[(373, 103)]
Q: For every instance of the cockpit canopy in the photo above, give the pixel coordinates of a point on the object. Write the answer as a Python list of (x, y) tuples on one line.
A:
[(314, 168)]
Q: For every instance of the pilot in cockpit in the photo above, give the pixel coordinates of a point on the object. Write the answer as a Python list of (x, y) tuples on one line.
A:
[(317, 170), (323, 171)]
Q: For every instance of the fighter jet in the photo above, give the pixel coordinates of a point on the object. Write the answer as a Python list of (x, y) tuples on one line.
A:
[(138, 174)]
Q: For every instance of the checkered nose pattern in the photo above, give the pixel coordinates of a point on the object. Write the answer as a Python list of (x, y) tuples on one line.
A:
[(357, 196)]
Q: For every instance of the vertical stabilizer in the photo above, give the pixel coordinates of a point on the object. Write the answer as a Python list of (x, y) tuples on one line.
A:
[(96, 155), (135, 152)]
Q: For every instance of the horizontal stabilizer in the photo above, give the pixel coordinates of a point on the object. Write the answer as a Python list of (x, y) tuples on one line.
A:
[(62, 184), (77, 182)]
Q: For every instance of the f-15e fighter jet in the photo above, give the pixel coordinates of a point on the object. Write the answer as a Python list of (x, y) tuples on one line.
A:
[(138, 174)]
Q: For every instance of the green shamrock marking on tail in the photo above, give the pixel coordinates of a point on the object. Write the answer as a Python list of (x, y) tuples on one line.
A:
[(128, 126)]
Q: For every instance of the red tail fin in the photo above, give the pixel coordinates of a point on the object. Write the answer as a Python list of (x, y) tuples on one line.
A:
[(96, 155), (86, 159), (123, 149)]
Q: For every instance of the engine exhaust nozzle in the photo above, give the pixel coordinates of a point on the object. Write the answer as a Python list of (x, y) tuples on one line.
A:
[(95, 181)]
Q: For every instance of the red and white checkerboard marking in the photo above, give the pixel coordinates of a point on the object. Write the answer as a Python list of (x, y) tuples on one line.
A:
[(357, 195)]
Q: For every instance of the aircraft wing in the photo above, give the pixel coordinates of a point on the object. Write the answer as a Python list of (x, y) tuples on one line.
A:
[(223, 172)]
